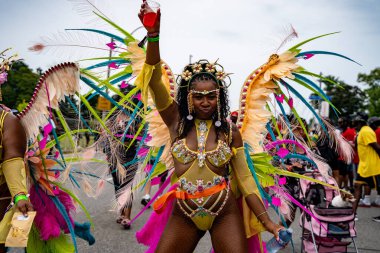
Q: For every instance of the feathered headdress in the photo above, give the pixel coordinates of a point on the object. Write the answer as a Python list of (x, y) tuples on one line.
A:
[(56, 83)]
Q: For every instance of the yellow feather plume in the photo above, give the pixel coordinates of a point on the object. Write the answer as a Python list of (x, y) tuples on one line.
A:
[(255, 93)]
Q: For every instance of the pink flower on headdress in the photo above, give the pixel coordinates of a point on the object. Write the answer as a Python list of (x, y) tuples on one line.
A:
[(186, 75), (197, 68), (210, 68), (3, 77), (220, 75)]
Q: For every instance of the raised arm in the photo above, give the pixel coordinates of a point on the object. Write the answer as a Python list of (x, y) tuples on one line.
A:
[(247, 184), (14, 147), (167, 108)]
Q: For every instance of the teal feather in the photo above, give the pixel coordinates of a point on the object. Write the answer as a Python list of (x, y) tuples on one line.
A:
[(286, 118), (102, 93), (58, 144), (112, 36), (72, 178), (270, 131), (106, 63), (159, 153), (263, 194), (82, 230), (316, 87), (295, 92), (302, 157), (327, 53), (121, 78), (77, 112), (132, 119), (65, 215)]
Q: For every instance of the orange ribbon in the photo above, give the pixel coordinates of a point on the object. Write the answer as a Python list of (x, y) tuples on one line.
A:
[(161, 202)]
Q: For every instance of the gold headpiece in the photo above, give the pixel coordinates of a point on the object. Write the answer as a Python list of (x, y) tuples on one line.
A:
[(215, 70)]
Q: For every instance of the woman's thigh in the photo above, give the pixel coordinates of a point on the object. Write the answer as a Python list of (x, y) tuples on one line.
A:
[(180, 235), (227, 232)]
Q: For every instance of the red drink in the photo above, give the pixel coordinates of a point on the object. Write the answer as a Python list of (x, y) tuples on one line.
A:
[(149, 19)]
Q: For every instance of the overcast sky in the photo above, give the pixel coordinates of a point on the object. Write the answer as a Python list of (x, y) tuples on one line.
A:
[(241, 33)]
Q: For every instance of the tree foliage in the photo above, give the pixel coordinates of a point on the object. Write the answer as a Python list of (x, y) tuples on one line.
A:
[(372, 80), (20, 85)]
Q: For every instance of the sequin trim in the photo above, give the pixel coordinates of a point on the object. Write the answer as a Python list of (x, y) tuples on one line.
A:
[(217, 157), (199, 186)]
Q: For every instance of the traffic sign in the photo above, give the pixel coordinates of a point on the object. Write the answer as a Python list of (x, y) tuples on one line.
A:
[(103, 104)]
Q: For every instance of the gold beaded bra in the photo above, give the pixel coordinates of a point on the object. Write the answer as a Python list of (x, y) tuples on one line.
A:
[(218, 157), (199, 178)]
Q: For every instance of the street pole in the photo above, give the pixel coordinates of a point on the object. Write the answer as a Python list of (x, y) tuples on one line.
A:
[(108, 75), (108, 68)]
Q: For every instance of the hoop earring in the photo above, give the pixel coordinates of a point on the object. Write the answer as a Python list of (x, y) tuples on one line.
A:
[(218, 123), (190, 106)]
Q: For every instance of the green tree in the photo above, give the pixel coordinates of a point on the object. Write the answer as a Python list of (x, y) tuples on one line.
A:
[(372, 80), (348, 99), (20, 85)]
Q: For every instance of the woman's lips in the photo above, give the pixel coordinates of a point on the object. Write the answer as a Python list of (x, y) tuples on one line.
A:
[(205, 110)]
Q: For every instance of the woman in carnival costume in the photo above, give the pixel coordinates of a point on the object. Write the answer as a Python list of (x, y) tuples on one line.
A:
[(120, 149), (216, 162), (204, 145), (13, 191), (21, 141)]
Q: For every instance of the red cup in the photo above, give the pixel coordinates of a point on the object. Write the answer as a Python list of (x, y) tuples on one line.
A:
[(150, 13)]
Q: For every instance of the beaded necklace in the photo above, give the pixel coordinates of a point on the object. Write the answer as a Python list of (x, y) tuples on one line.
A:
[(202, 128)]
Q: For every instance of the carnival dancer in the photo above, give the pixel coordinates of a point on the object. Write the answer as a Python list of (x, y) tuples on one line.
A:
[(204, 144), (123, 166), (52, 203), (13, 191)]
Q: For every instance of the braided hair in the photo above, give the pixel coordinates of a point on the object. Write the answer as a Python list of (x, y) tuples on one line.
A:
[(184, 87)]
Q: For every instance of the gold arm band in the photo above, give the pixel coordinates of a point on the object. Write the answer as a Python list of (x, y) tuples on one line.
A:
[(261, 214), (150, 79), (15, 175), (246, 183)]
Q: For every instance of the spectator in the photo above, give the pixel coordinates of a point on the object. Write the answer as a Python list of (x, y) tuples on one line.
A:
[(346, 170), (369, 160)]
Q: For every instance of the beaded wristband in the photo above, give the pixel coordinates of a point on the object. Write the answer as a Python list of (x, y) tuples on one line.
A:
[(20, 197), (153, 35), (155, 39)]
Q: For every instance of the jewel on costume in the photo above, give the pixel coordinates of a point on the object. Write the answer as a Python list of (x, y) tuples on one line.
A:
[(218, 123), (190, 106)]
